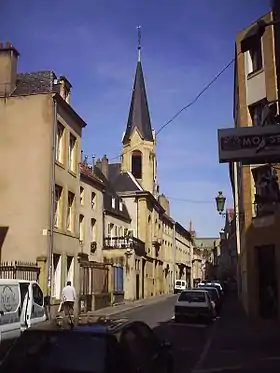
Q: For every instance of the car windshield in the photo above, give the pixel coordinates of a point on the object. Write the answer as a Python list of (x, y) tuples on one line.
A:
[(192, 296), (49, 352)]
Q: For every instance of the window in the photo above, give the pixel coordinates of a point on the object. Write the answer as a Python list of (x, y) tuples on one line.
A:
[(192, 296), (56, 288), (120, 232), (136, 164), (118, 279), (70, 268), (255, 60), (109, 227), (70, 212), (113, 202), (59, 142), (72, 155), (121, 205), (93, 200), (82, 228), (116, 231), (57, 206), (82, 196), (37, 295), (256, 112), (93, 230)]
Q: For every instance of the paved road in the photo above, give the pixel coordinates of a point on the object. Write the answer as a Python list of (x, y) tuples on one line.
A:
[(187, 340), (226, 346)]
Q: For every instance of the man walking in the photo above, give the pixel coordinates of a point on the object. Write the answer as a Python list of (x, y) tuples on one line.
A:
[(68, 297)]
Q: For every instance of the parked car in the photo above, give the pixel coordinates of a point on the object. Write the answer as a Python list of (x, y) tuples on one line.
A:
[(180, 285), (195, 304), (90, 345), (214, 284), (215, 296)]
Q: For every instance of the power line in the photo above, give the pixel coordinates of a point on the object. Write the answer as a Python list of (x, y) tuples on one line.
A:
[(191, 103), (190, 200)]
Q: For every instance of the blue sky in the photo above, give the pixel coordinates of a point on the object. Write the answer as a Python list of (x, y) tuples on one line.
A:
[(185, 43)]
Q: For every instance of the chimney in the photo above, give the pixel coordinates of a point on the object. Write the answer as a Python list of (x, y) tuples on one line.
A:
[(8, 69), (65, 89), (105, 166)]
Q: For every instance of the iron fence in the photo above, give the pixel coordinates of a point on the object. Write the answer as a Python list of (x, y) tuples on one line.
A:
[(20, 271)]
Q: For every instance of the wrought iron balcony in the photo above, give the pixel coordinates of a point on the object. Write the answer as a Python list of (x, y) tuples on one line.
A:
[(124, 243)]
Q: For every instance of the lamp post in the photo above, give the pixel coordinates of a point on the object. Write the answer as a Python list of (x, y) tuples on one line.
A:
[(220, 203)]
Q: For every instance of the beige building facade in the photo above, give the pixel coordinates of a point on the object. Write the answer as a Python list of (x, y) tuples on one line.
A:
[(40, 144), (259, 259), (91, 219)]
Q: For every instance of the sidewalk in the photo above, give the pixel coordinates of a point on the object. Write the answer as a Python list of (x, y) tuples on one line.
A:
[(130, 305), (237, 343)]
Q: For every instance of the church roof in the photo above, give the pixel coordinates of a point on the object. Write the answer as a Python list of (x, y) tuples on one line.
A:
[(139, 116)]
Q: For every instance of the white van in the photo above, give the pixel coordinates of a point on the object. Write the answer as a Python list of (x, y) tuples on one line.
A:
[(180, 285), (21, 306)]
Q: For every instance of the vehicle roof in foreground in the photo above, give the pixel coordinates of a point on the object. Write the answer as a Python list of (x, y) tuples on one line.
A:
[(84, 323)]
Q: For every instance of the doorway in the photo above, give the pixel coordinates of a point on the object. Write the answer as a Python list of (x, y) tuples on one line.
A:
[(137, 286), (267, 281)]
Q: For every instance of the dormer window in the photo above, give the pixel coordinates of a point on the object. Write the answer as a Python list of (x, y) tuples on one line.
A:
[(121, 205), (113, 202)]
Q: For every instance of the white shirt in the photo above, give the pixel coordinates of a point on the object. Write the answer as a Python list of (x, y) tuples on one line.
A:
[(68, 294)]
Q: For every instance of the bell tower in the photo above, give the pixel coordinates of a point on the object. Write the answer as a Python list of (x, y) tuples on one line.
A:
[(139, 140)]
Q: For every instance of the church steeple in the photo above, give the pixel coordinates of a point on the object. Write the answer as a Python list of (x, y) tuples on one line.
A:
[(139, 116)]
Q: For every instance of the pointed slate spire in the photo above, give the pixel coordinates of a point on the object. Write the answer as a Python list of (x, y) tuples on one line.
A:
[(139, 116)]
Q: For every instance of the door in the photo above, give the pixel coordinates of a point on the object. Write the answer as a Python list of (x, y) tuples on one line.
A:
[(267, 282), (10, 311), (137, 285), (36, 309)]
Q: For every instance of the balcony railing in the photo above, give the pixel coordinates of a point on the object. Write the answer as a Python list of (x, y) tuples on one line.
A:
[(124, 243)]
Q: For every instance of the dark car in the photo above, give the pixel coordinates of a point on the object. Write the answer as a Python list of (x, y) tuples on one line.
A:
[(98, 345), (215, 296)]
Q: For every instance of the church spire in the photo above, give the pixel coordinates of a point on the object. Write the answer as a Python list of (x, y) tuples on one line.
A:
[(139, 43), (139, 116)]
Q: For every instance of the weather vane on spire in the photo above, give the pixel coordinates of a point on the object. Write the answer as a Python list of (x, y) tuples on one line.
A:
[(139, 43)]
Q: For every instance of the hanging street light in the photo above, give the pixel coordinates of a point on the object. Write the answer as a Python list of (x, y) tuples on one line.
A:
[(220, 203)]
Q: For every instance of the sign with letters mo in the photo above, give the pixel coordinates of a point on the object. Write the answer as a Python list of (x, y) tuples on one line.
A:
[(249, 145)]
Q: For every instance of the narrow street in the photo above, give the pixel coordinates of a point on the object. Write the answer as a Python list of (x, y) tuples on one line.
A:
[(230, 344), (187, 339)]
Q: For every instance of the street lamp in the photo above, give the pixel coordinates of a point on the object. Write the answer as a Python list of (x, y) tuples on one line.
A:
[(254, 34), (220, 203)]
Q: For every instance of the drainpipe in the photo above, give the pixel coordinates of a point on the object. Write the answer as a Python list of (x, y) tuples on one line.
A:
[(50, 248), (136, 218), (237, 228), (174, 255)]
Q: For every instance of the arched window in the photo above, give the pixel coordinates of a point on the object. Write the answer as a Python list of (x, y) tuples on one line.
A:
[(136, 164)]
